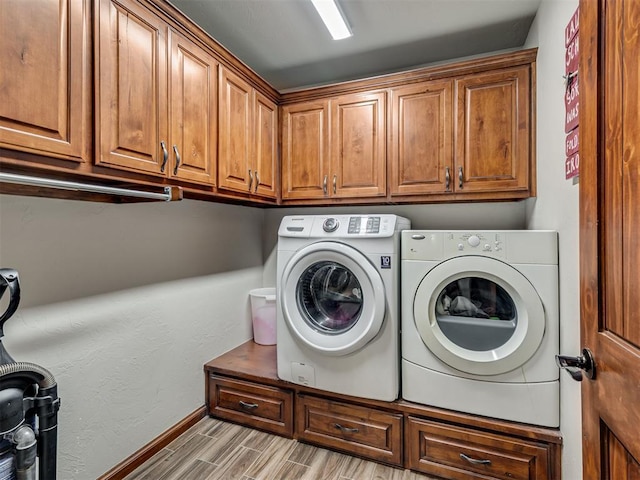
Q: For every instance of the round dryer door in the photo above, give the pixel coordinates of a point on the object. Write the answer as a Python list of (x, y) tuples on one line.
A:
[(332, 298), (479, 315)]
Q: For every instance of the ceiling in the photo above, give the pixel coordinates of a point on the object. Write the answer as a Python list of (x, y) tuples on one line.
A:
[(285, 42)]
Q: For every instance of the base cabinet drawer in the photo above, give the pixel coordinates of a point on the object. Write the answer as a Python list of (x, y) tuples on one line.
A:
[(253, 405), (454, 452), (362, 431)]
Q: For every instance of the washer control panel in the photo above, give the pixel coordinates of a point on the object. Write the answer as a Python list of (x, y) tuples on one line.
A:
[(342, 226)]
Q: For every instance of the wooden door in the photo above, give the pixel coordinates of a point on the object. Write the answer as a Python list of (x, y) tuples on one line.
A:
[(609, 228), (45, 92), (193, 100), (266, 146), (305, 150), (358, 146), (421, 153), (235, 171), (493, 135), (131, 88)]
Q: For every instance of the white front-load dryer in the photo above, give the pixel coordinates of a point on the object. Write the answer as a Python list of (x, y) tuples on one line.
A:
[(337, 309), (480, 323)]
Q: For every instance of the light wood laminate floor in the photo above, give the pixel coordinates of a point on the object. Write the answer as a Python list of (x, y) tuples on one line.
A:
[(217, 450)]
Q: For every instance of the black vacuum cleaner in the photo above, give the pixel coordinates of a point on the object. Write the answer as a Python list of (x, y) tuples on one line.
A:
[(29, 405)]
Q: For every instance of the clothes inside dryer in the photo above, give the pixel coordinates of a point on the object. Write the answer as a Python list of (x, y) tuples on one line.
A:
[(330, 297), (476, 313)]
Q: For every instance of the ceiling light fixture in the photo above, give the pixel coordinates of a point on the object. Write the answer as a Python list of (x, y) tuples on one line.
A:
[(332, 18)]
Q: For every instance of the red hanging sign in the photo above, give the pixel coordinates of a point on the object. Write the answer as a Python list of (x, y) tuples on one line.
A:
[(571, 29), (572, 103)]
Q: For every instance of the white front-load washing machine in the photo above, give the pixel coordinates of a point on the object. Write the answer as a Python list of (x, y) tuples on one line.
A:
[(480, 323), (337, 312)]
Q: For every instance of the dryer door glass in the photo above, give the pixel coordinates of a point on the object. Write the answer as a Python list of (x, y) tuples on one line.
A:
[(476, 313), (329, 297), (479, 315)]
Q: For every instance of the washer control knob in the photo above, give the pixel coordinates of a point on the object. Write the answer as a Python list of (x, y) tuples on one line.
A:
[(330, 225), (473, 240)]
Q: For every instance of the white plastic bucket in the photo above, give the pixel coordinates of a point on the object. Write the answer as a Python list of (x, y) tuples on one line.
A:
[(263, 313)]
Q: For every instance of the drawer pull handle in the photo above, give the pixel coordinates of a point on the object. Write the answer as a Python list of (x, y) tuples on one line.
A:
[(248, 406), (345, 429), (474, 461)]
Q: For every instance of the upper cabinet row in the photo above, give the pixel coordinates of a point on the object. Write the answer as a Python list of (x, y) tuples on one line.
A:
[(467, 135), (175, 119), (159, 103)]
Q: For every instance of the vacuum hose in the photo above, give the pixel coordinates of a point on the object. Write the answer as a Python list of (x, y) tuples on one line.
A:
[(38, 374)]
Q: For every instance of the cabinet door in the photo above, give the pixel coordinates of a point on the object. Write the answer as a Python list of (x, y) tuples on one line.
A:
[(421, 153), (235, 126), (44, 78), (358, 146), (493, 131), (305, 152), (131, 88), (266, 145), (193, 100)]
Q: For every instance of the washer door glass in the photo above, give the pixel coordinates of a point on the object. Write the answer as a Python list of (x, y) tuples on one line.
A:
[(479, 315), (332, 298), (329, 297)]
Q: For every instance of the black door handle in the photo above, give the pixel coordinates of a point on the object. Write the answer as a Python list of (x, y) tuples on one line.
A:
[(576, 365)]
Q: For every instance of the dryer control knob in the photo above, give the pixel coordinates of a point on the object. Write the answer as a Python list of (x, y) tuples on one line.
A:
[(473, 240), (330, 225)]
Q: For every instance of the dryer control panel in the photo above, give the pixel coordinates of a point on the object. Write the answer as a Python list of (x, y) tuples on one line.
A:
[(516, 246)]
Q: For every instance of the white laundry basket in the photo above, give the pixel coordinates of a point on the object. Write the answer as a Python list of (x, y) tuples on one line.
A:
[(263, 313)]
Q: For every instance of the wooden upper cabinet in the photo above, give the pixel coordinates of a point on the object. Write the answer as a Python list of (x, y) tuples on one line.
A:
[(247, 151), (131, 88), (265, 156), (493, 137), (234, 120), (305, 150), (358, 146), (153, 116), (193, 114), (45, 92), (335, 148), (421, 150)]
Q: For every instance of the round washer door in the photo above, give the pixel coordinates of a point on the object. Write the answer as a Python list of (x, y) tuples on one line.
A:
[(479, 315), (332, 298)]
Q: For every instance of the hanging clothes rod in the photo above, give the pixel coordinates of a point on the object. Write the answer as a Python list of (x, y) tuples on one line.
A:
[(169, 193)]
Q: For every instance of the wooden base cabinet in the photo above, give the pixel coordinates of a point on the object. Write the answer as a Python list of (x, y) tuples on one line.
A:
[(361, 431), (459, 453), (258, 406), (243, 387)]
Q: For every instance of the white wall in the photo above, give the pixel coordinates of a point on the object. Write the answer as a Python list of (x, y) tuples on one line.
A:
[(556, 207), (124, 304)]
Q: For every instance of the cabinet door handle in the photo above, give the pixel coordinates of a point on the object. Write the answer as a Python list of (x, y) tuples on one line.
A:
[(175, 150), (248, 406), (250, 180), (345, 429), (460, 177), (257, 183), (165, 156), (474, 461), (335, 181), (324, 185), (447, 179)]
